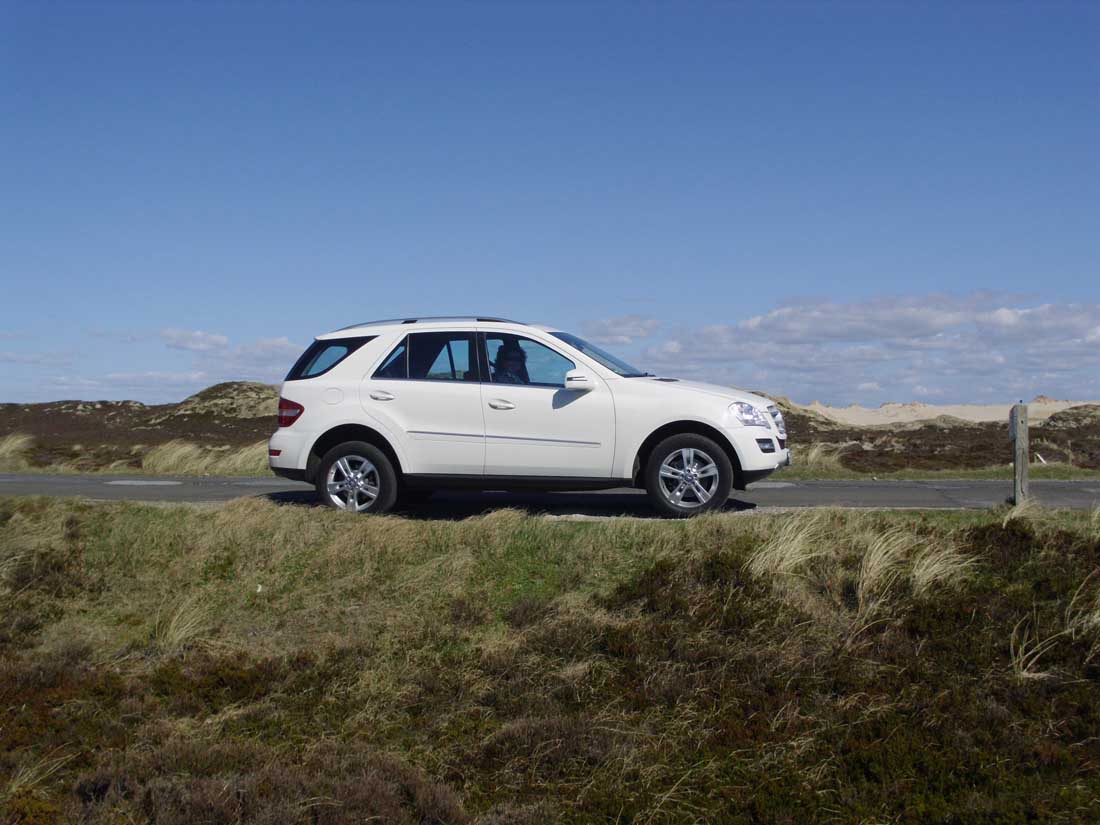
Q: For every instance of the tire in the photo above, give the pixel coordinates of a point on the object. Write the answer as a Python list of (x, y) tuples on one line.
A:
[(708, 484), (371, 470)]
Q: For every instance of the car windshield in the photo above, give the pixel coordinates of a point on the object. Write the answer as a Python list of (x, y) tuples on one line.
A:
[(616, 365)]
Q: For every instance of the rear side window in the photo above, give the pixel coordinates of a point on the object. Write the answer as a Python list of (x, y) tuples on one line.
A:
[(396, 364), (433, 356), (323, 356), (443, 356)]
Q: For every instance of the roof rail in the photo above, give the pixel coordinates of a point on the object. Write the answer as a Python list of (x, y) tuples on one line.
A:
[(426, 318)]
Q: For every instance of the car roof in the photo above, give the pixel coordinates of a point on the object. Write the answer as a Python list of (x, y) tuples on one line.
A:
[(374, 327)]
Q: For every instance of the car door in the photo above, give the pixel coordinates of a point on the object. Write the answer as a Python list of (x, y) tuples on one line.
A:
[(533, 425), (427, 391)]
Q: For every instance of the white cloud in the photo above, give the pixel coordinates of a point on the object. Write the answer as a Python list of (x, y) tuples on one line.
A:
[(266, 359), (978, 347), (623, 330), (193, 340)]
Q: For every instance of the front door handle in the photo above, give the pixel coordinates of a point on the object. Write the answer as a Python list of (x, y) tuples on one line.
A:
[(501, 404), (382, 395)]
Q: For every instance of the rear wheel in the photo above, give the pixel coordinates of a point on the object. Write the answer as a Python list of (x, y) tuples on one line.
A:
[(688, 474), (357, 477)]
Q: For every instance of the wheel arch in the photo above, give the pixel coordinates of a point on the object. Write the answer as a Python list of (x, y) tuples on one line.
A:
[(349, 432), (687, 426)]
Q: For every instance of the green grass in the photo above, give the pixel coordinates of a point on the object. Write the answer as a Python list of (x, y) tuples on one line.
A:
[(255, 663)]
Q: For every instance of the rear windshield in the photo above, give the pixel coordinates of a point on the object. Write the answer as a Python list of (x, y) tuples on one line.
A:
[(323, 356)]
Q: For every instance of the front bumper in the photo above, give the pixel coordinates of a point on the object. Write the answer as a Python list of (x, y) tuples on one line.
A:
[(758, 449)]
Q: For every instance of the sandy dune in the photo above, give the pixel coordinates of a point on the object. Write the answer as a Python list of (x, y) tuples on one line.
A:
[(1039, 409)]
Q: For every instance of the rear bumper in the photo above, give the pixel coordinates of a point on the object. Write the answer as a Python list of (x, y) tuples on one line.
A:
[(292, 448), (292, 474)]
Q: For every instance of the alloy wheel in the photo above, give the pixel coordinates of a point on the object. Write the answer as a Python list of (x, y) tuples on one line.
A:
[(688, 478), (353, 483)]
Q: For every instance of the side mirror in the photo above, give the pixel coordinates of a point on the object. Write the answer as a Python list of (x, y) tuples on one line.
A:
[(578, 380)]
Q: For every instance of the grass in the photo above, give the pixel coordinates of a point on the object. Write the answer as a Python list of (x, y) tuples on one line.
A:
[(184, 627), (254, 663), (176, 457), (13, 452), (817, 461), (184, 458)]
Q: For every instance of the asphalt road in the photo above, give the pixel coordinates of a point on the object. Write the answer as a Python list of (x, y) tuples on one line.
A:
[(458, 504)]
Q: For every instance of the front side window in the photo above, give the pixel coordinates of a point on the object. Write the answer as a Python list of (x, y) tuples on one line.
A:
[(323, 356), (514, 359), (601, 356), (443, 356)]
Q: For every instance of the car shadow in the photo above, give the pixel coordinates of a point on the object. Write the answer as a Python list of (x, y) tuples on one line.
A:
[(452, 505)]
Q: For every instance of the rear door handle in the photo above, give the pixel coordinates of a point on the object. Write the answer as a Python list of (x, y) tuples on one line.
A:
[(382, 395), (501, 404)]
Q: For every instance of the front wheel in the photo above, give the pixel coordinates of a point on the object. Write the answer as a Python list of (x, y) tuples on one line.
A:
[(688, 474), (357, 477)]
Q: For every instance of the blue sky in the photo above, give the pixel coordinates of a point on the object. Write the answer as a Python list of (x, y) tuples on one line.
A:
[(855, 202)]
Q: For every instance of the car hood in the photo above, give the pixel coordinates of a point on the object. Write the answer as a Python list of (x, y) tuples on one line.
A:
[(730, 394)]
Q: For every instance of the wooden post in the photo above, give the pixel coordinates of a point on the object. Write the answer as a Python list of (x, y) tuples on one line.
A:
[(1017, 427)]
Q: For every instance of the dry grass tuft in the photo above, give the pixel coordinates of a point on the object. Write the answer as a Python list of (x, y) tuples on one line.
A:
[(13, 452), (186, 627), (851, 572), (1028, 645), (821, 458), (935, 567), (1027, 510), (788, 551), (28, 779), (184, 458), (882, 567), (1082, 617)]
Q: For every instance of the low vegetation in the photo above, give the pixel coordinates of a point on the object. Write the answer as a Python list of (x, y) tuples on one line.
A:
[(259, 664), (222, 429), (185, 458), (176, 457), (13, 452), (836, 470)]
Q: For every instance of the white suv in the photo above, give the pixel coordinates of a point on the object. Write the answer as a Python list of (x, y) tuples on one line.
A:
[(401, 407)]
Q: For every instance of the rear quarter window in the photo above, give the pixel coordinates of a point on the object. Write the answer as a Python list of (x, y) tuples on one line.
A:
[(322, 356)]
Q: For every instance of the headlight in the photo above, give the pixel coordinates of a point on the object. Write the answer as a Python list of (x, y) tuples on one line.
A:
[(749, 415)]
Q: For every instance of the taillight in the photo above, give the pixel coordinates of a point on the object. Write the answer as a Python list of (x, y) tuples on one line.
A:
[(289, 412)]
